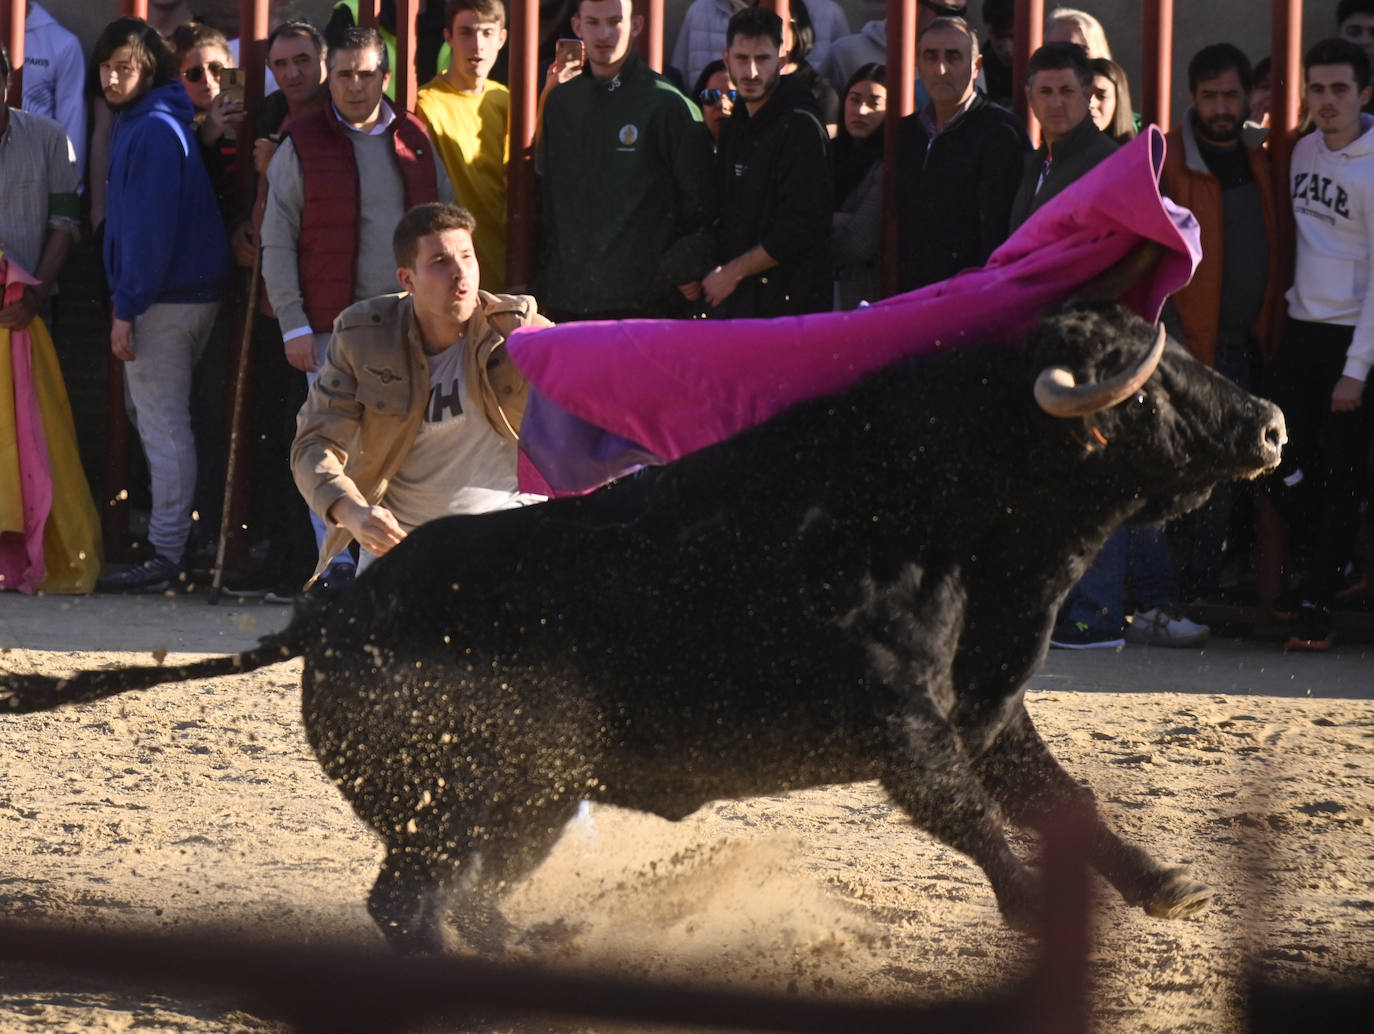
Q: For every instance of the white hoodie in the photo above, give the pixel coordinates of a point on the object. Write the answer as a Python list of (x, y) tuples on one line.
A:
[(1333, 207)]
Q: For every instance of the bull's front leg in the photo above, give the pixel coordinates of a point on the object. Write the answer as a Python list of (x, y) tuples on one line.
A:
[(1021, 774), (929, 776)]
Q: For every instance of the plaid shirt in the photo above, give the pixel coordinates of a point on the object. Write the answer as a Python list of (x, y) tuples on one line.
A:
[(38, 184)]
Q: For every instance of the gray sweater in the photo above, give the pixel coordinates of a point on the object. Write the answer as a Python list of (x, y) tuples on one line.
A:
[(383, 195)]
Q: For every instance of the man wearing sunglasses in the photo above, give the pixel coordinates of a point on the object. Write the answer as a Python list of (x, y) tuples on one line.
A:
[(869, 44)]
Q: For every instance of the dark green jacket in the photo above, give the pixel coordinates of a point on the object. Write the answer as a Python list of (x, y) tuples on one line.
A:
[(626, 170)]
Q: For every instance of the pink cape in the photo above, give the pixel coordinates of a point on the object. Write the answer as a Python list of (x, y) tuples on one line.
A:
[(609, 397), (23, 457)]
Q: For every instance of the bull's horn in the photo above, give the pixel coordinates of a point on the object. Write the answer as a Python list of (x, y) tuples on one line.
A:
[(1058, 395)]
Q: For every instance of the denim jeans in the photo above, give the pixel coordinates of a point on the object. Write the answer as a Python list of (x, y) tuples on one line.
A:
[(1135, 563), (1198, 538), (168, 340)]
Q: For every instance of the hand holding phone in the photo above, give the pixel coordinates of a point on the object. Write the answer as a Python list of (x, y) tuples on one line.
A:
[(568, 55), (231, 83)]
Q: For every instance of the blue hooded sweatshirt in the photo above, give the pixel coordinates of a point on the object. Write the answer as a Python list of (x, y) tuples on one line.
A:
[(164, 236)]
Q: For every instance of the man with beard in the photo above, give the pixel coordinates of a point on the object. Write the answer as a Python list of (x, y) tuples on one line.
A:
[(775, 181), (1217, 166), (167, 263)]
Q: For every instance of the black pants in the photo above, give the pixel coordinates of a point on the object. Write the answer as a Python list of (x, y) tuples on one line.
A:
[(1324, 476)]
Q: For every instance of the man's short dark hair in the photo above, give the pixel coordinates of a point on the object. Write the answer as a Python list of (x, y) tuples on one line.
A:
[(360, 37), (1260, 75), (958, 24), (485, 10), (999, 15), (151, 53), (1346, 8), (421, 221), (1054, 57), (300, 28), (1211, 61), (1338, 51), (753, 23), (577, 6)]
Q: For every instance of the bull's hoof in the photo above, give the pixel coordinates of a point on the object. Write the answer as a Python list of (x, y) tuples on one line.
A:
[(1176, 896), (1023, 918)]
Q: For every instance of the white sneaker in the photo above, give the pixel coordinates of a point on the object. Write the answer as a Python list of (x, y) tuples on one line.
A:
[(1164, 626)]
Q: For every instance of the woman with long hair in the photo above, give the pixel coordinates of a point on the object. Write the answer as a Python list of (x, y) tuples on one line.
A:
[(858, 225), (1110, 105)]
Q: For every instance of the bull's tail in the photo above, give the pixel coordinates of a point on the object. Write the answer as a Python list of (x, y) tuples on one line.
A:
[(24, 694)]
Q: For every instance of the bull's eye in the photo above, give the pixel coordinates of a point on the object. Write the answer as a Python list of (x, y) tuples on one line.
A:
[(1140, 398)]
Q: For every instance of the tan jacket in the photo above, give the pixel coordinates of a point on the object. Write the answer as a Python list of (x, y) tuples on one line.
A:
[(366, 407)]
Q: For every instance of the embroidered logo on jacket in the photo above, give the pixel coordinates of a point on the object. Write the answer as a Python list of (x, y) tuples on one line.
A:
[(629, 135), (385, 374)]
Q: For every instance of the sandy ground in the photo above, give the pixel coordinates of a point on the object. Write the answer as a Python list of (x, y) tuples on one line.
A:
[(201, 803)]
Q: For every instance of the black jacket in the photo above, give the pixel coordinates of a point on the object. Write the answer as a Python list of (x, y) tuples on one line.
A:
[(775, 189), (1081, 148), (954, 193)]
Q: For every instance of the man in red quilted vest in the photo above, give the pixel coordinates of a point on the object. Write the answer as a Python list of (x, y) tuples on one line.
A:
[(337, 186)]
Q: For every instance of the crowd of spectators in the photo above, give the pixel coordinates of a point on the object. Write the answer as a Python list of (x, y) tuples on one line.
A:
[(757, 192)]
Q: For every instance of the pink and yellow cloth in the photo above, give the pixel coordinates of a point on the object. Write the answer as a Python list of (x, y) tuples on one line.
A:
[(49, 530), (609, 397)]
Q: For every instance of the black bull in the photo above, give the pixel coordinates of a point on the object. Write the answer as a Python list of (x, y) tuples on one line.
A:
[(858, 589)]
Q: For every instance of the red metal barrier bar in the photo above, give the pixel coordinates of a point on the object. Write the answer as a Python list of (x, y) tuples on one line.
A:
[(403, 75), (1030, 32), (783, 10), (1158, 62), (524, 98), (253, 28), (901, 101), (650, 42), (13, 15), (134, 9), (1285, 77), (369, 11)]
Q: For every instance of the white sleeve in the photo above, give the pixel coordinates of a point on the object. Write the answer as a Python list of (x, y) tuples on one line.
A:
[(1359, 357)]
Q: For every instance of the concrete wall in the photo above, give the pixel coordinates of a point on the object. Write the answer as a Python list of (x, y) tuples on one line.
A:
[(1196, 23)]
